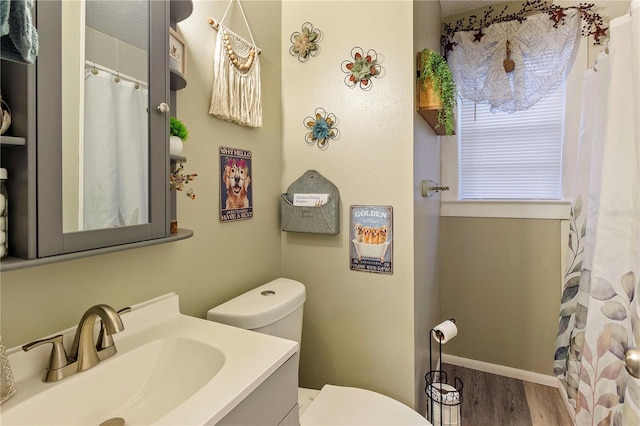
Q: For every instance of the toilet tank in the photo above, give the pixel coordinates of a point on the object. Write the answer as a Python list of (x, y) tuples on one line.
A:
[(274, 308)]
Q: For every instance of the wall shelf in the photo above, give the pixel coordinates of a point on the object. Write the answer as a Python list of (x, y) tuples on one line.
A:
[(12, 140), (14, 263), (428, 106), (180, 9), (428, 103), (177, 81)]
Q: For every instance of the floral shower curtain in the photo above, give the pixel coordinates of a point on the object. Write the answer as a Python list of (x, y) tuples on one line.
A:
[(600, 310)]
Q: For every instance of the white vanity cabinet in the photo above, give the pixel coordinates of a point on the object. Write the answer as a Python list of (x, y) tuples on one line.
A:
[(169, 369), (43, 97), (273, 402)]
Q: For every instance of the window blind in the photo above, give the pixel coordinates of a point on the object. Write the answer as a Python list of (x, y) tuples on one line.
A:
[(515, 156)]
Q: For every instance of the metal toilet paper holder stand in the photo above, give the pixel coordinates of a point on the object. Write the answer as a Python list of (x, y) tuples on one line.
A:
[(444, 400)]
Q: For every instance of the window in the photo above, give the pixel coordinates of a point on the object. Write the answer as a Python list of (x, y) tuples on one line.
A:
[(514, 156)]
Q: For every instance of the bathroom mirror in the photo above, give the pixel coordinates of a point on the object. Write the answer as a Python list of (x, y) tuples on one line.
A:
[(102, 142), (105, 104)]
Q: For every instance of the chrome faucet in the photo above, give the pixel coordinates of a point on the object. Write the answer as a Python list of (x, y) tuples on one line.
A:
[(85, 352)]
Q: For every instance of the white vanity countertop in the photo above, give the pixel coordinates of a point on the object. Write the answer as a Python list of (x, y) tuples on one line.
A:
[(249, 359)]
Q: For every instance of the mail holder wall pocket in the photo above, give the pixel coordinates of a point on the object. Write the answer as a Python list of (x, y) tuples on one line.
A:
[(311, 204)]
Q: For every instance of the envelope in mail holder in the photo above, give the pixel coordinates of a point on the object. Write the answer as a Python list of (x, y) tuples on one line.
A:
[(311, 204)]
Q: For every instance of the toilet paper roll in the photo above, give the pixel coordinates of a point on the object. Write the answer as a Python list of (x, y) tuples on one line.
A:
[(444, 331), (443, 407)]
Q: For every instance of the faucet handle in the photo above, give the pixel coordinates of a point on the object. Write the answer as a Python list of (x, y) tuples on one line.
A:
[(104, 339), (58, 357)]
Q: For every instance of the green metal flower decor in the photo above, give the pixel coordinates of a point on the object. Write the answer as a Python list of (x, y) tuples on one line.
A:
[(322, 128), (362, 68), (305, 42)]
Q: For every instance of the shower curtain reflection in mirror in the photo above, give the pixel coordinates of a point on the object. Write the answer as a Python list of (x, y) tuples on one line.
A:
[(115, 152)]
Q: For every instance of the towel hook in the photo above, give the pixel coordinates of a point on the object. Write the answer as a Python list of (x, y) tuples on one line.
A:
[(430, 188)]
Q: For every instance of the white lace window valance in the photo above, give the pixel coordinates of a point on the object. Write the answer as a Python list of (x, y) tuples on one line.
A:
[(540, 51)]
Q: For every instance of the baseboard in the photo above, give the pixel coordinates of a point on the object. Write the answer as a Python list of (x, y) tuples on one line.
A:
[(514, 373)]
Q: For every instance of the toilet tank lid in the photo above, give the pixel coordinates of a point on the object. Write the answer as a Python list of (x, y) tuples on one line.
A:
[(262, 305)]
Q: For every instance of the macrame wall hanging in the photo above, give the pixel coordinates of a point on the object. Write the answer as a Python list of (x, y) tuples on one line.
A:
[(237, 93)]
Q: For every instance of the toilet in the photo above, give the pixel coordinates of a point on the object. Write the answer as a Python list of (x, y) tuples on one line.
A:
[(276, 309)]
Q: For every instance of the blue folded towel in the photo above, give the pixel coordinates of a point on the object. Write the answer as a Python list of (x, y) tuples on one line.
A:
[(19, 38)]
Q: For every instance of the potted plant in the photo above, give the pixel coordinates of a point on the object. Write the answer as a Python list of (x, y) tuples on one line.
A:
[(178, 134), (435, 72)]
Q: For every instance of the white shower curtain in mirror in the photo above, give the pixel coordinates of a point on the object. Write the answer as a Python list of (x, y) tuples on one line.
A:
[(600, 310), (115, 153)]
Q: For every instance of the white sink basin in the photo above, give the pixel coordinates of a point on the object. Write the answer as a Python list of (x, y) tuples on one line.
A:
[(169, 369), (140, 386)]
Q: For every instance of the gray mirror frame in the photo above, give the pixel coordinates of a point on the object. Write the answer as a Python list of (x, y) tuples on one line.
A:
[(51, 238)]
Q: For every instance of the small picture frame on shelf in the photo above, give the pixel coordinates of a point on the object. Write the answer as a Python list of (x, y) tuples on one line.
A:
[(177, 52)]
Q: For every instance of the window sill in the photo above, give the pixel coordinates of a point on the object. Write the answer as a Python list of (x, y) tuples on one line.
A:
[(507, 209)]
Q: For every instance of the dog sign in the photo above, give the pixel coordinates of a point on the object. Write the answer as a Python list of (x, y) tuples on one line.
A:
[(371, 235), (236, 196)]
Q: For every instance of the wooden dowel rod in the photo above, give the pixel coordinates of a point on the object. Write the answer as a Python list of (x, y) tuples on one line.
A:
[(216, 26)]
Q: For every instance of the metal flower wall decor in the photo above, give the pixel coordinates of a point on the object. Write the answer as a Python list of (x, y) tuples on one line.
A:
[(322, 128), (305, 43), (361, 68)]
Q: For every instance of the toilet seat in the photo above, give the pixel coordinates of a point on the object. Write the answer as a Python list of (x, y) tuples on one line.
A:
[(340, 405), (305, 398)]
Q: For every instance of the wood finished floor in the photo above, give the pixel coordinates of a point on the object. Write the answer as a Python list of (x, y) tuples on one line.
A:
[(492, 400)]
